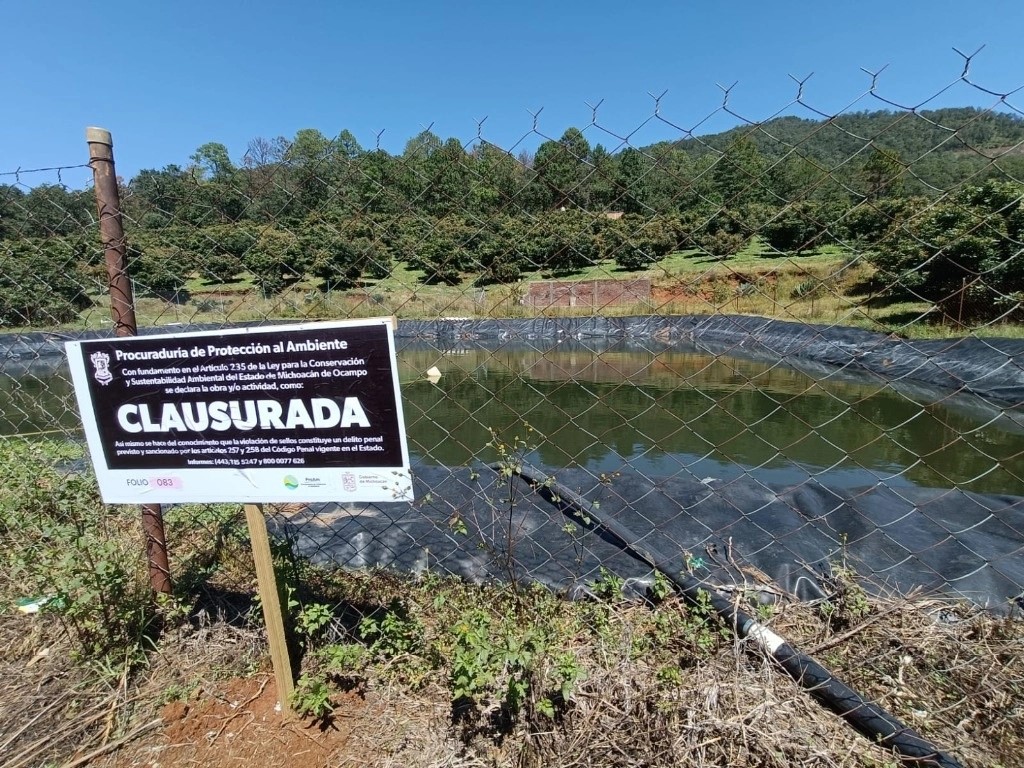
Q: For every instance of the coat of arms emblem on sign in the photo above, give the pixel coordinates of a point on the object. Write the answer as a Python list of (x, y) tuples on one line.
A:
[(101, 370)]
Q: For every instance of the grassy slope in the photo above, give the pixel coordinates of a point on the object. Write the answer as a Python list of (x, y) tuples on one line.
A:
[(823, 286)]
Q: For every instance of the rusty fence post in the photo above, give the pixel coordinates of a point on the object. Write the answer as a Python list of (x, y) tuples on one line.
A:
[(122, 311)]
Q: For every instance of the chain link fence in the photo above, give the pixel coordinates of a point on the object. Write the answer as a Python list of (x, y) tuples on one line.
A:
[(786, 359)]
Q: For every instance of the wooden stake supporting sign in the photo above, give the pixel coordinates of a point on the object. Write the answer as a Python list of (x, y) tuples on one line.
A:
[(269, 597)]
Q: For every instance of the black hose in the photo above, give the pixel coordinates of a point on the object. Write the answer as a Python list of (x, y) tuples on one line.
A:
[(865, 716)]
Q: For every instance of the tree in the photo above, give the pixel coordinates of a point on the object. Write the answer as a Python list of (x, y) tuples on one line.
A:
[(636, 242), (724, 234), (689, 226), (501, 256), (273, 260), (739, 174), (634, 180), (202, 195), (378, 185), (341, 252), (213, 162), (448, 251), (220, 251), (153, 197), (12, 212), (421, 146), (963, 254), (311, 172), (722, 244), (333, 257), (562, 170), (447, 179), (262, 152), (496, 179), (674, 183), (881, 174), (604, 189), (343, 172), (871, 223), (403, 236), (213, 179), (410, 173), (158, 268), (308, 149), (795, 229), (797, 177), (571, 241), (53, 209), (265, 180), (347, 146), (41, 282)]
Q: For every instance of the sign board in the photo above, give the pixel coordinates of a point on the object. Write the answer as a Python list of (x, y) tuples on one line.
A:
[(307, 412)]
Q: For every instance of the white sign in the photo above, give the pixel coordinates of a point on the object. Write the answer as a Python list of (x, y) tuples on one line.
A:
[(308, 412)]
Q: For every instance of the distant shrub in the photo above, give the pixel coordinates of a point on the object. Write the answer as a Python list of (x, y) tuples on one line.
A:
[(41, 282), (795, 229), (722, 244)]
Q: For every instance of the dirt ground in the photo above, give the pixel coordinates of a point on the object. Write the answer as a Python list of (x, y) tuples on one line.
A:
[(205, 698), (240, 723)]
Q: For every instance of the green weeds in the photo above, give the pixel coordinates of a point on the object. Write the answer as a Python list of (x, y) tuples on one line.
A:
[(607, 586), (395, 633), (848, 602), (504, 655), (311, 697), (63, 546)]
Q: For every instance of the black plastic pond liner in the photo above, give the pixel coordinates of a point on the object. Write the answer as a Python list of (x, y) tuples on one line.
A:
[(865, 716), (948, 543), (989, 368)]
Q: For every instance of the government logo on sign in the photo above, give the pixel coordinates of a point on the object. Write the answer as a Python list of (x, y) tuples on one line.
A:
[(101, 367)]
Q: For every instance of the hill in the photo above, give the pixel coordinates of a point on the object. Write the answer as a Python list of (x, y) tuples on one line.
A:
[(941, 148)]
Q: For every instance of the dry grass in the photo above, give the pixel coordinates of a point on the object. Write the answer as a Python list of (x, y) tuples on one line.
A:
[(959, 683)]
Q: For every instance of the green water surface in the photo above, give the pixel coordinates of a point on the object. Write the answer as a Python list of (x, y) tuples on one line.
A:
[(657, 412)]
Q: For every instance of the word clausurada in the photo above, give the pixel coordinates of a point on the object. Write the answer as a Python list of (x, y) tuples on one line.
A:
[(222, 415)]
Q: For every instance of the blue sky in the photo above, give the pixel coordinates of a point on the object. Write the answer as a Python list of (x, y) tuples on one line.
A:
[(167, 77)]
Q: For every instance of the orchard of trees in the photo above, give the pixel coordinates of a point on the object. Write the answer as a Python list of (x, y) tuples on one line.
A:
[(934, 200)]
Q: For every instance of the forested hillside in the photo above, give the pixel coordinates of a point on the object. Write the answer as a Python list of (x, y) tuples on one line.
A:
[(932, 198)]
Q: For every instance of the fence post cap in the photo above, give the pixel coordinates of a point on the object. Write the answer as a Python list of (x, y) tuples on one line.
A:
[(99, 136)]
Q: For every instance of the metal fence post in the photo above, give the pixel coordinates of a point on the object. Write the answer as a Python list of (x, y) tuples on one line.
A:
[(122, 310)]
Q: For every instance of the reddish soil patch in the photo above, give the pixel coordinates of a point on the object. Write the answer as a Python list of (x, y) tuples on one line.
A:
[(239, 724), (712, 289), (587, 293)]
